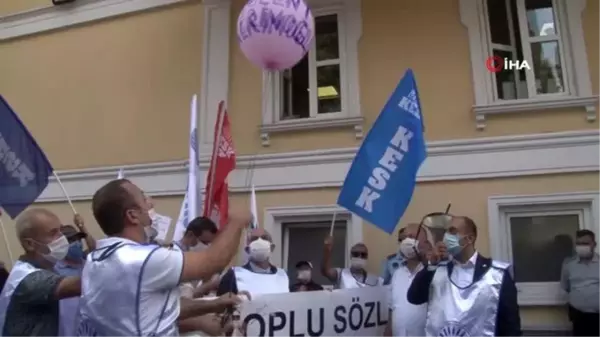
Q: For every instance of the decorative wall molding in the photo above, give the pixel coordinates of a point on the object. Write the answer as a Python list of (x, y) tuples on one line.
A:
[(479, 158), (82, 11), (215, 67)]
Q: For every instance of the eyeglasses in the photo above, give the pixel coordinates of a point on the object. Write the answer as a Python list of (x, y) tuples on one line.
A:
[(362, 255)]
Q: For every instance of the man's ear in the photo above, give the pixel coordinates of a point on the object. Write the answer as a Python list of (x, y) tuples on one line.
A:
[(272, 247)]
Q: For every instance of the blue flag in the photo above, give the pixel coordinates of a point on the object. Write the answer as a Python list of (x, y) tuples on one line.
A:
[(383, 175), (24, 168)]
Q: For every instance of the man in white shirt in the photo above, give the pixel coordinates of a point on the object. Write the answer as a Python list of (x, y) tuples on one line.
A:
[(130, 287), (354, 277), (259, 276), (467, 294), (407, 319)]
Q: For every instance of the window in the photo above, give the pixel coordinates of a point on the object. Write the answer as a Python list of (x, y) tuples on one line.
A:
[(535, 234), (322, 89), (304, 241), (312, 88), (526, 31), (299, 232), (541, 43)]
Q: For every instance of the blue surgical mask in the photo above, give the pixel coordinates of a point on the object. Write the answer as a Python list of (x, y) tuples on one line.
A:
[(452, 242), (75, 252)]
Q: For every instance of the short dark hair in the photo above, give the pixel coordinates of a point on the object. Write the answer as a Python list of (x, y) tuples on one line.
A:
[(471, 226), (201, 224), (401, 231), (585, 232), (109, 205)]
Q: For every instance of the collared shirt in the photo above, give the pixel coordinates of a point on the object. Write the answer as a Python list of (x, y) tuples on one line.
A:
[(580, 279), (33, 309), (463, 273), (389, 266), (407, 319)]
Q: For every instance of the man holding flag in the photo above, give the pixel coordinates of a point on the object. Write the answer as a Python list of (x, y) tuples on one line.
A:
[(29, 301)]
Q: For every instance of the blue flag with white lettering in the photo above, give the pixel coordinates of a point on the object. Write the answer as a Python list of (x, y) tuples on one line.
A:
[(24, 168), (383, 175)]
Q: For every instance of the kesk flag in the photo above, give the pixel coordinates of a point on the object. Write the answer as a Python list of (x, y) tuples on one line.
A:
[(191, 201), (383, 175), (216, 202), (24, 168)]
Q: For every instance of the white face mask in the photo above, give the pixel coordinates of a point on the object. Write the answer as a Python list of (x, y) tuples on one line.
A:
[(358, 263), (583, 250), (407, 248), (304, 275), (259, 250), (58, 249)]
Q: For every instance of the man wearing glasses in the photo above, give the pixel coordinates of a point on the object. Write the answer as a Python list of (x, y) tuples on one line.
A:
[(356, 276), (392, 262)]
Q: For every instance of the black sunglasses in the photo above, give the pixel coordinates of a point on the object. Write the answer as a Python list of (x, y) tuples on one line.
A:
[(359, 254)]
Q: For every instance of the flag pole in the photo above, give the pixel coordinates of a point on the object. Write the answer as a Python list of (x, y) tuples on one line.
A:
[(213, 161), (10, 256), (62, 187), (332, 224)]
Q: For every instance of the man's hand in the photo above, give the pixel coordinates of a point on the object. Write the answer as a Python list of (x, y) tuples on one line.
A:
[(438, 253), (78, 221), (328, 244), (228, 300)]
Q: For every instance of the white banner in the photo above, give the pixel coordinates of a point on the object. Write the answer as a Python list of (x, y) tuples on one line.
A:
[(350, 312)]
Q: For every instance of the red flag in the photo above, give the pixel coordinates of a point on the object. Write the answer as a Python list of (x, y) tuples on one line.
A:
[(222, 163)]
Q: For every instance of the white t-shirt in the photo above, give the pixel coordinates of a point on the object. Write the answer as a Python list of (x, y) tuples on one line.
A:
[(110, 285)]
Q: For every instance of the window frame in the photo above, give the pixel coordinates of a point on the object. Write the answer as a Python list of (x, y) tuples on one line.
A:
[(313, 66), (275, 219), (349, 31), (574, 62), (502, 208), (310, 223)]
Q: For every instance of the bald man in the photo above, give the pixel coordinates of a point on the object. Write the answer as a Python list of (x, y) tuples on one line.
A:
[(406, 319), (29, 302), (466, 293), (354, 277), (259, 276)]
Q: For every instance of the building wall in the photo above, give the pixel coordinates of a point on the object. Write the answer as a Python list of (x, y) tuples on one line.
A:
[(111, 92), (109, 86)]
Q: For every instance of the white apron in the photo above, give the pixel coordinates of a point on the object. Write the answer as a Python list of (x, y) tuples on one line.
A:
[(17, 274), (110, 302), (469, 311), (261, 284), (348, 281)]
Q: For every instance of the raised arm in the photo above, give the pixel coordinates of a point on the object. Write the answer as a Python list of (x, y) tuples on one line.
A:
[(327, 269), (204, 264)]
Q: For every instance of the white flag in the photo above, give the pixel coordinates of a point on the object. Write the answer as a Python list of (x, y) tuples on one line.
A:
[(243, 255), (191, 201)]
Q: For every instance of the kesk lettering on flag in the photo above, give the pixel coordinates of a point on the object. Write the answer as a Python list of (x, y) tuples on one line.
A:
[(24, 168), (382, 177)]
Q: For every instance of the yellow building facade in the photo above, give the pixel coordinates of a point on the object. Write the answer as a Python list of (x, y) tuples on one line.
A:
[(106, 84)]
